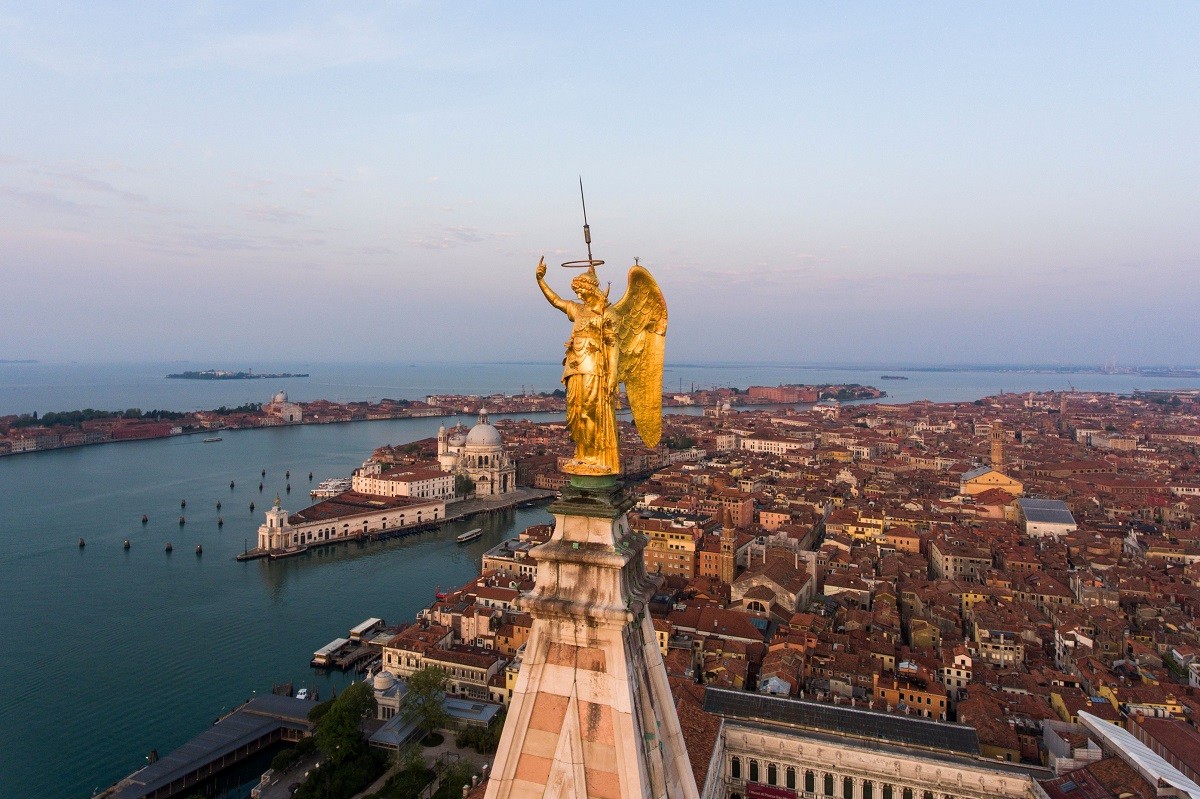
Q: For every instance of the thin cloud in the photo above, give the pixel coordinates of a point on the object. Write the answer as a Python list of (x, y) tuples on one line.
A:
[(86, 182), (455, 235), (44, 201), (274, 214)]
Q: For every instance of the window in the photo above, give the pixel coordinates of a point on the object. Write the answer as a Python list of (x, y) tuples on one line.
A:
[(847, 788), (907, 793), (735, 768), (829, 785), (753, 771), (887, 792), (791, 778), (810, 781), (868, 790), (772, 774)]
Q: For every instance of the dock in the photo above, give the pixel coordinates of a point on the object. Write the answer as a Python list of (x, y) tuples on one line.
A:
[(353, 656), (254, 726), (324, 656)]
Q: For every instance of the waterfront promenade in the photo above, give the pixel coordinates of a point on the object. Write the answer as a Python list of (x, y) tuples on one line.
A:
[(455, 511)]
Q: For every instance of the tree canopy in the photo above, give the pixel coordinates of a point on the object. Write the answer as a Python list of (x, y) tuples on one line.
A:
[(423, 702)]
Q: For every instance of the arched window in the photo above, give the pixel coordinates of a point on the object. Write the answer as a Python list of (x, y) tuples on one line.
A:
[(735, 768), (868, 790), (828, 785), (847, 788), (753, 770), (772, 774), (927, 795), (755, 606), (907, 793), (886, 793), (810, 781), (790, 775)]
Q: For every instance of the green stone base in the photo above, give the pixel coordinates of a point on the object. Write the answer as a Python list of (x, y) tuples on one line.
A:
[(597, 482), (599, 496)]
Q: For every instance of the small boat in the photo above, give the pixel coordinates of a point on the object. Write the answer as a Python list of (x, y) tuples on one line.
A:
[(289, 552), (469, 535), (288, 474), (183, 503), (264, 472), (182, 521), (168, 548), (220, 522), (145, 519), (199, 549), (212, 440), (260, 488), (252, 507), (218, 504), (127, 543), (310, 477), (231, 484), (82, 543), (289, 488)]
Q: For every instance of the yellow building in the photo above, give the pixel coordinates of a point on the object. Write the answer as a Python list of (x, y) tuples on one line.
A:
[(672, 545), (984, 478)]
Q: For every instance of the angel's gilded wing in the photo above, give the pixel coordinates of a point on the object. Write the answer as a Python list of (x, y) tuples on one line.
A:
[(641, 328)]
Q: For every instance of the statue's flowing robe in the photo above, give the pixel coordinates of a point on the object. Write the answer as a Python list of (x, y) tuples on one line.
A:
[(591, 413)]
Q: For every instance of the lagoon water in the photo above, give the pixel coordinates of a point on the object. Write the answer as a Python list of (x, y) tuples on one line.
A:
[(111, 652)]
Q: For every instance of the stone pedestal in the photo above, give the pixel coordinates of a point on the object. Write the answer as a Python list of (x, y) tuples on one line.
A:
[(591, 714)]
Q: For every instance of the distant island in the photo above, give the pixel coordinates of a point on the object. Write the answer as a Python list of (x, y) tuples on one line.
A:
[(220, 374), (892, 377)]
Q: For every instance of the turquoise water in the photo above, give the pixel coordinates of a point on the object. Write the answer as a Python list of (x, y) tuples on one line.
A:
[(109, 653)]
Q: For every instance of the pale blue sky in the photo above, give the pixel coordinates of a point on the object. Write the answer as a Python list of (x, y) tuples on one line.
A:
[(810, 182)]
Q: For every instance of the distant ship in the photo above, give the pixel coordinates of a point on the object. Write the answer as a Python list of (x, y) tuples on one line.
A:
[(892, 377), (212, 440), (470, 535)]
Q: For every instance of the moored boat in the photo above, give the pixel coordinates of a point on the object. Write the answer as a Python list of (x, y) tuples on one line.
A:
[(212, 439), (289, 552)]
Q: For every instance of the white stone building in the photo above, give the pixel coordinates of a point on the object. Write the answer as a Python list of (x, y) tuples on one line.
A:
[(405, 481), (479, 455), (775, 747), (347, 516), (286, 412)]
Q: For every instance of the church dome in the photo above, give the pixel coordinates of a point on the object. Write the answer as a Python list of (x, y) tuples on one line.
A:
[(383, 681), (280, 396), (483, 435)]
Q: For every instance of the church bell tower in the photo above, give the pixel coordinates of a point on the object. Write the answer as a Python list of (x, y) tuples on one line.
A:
[(592, 715)]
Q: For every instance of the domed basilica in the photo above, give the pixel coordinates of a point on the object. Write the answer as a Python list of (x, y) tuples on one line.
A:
[(479, 454)]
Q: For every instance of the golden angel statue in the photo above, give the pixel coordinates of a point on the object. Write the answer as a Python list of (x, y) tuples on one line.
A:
[(610, 344)]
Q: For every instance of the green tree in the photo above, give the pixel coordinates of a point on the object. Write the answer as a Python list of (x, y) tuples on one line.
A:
[(463, 485), (339, 732), (454, 777), (423, 702)]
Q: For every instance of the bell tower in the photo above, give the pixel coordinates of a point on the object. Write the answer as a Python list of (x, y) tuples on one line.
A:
[(997, 460), (592, 713)]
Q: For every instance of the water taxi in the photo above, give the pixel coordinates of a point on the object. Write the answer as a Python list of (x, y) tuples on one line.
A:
[(212, 440), (470, 535)]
